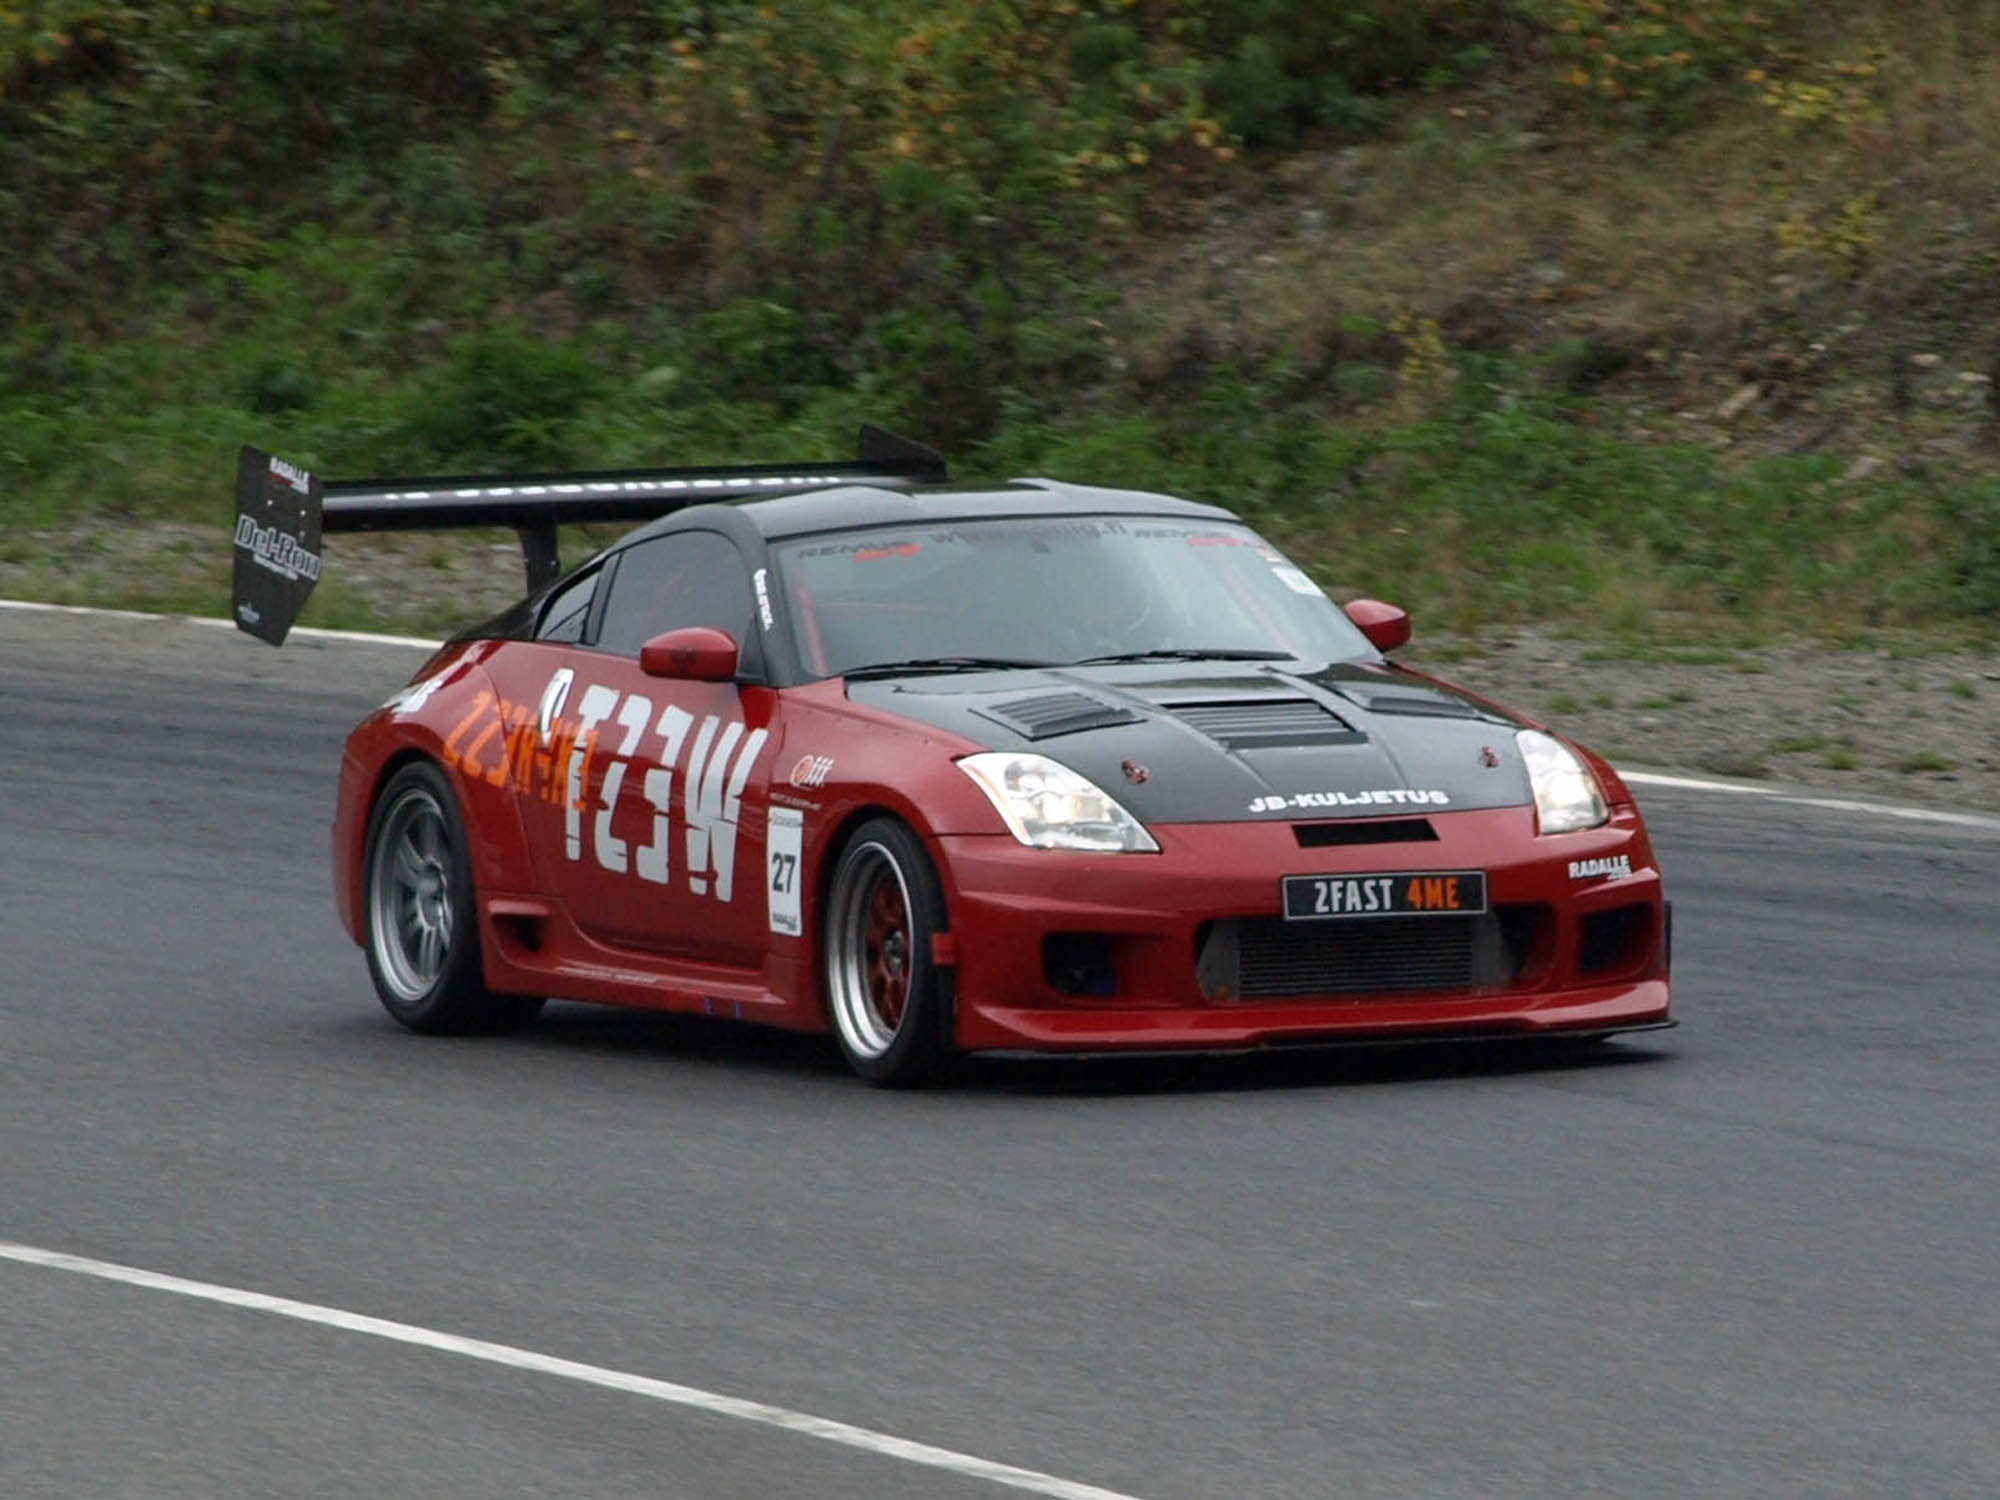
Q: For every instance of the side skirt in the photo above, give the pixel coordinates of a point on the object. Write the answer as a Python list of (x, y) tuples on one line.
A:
[(533, 947)]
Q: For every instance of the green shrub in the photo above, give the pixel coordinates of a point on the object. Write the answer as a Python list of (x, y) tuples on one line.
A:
[(1279, 68), (503, 400), (1658, 61), (1968, 521), (278, 383)]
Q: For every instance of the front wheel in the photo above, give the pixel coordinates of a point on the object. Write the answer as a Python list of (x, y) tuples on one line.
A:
[(889, 1003), (422, 920)]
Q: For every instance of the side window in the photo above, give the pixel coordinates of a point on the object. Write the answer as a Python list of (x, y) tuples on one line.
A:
[(564, 615), (685, 578)]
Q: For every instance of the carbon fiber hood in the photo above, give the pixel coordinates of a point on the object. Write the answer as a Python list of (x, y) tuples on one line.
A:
[(1222, 741)]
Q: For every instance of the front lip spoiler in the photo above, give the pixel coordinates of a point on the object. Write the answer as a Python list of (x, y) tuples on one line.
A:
[(1378, 1041)]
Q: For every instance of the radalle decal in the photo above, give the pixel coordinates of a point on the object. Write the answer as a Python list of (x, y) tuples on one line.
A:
[(1605, 867)]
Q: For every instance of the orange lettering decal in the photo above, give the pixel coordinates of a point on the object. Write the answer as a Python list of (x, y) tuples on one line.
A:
[(469, 756), (545, 758), (480, 705), (1451, 893), (582, 803), (512, 770), (552, 765)]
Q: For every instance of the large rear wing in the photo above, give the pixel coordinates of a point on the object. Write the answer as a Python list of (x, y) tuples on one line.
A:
[(281, 510)]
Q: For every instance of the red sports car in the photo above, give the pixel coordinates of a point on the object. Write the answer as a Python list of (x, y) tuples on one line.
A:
[(1030, 766)]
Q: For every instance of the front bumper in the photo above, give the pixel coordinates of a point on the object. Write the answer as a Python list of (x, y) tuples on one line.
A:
[(1056, 951)]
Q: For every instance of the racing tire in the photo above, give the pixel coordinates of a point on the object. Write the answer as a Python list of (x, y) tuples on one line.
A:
[(420, 916), (889, 1004)]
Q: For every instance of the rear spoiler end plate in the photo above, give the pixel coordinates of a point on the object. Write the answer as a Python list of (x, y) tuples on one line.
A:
[(282, 511)]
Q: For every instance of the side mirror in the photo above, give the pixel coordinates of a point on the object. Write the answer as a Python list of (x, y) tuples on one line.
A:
[(1386, 626), (698, 653)]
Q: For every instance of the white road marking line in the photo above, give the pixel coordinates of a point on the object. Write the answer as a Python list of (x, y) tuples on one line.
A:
[(867, 1440), (311, 632), (1695, 783), (1636, 778), (1801, 799)]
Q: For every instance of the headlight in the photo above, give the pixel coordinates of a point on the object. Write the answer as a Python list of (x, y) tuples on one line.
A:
[(1048, 806), (1567, 796)]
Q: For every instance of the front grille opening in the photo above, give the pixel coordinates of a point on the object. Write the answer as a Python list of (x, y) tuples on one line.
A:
[(1611, 942), (1079, 963), (1365, 831), (1372, 955), (1263, 958)]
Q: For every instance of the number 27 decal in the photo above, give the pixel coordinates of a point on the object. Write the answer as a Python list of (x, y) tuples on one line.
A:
[(781, 861)]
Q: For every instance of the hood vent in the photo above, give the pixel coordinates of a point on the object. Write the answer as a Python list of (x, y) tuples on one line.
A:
[(1042, 716), (1268, 723), (1416, 703)]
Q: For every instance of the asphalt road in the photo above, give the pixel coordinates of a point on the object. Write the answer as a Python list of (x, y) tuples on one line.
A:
[(1755, 1256)]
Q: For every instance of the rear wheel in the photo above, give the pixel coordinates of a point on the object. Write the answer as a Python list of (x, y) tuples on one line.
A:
[(421, 917), (890, 1005)]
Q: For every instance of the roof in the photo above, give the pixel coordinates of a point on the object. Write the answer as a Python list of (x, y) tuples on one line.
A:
[(845, 507)]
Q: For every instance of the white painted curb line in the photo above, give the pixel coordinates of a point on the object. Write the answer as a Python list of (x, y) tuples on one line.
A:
[(310, 632), (1805, 799)]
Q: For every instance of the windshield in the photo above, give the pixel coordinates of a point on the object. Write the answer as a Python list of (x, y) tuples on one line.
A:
[(1054, 589)]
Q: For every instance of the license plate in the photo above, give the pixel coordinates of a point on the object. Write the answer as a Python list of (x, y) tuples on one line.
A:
[(1415, 893)]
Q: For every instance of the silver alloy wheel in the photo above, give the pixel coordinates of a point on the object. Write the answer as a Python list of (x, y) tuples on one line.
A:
[(870, 957), (410, 911)]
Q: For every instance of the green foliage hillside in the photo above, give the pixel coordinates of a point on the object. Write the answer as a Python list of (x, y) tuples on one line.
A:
[(1576, 309)]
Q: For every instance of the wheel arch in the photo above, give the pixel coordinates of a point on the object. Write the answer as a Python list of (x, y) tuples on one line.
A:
[(496, 844), (929, 1033), (832, 844), (838, 836)]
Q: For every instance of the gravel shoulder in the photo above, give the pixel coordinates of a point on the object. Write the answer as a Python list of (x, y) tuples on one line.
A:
[(1919, 728), (1922, 727)]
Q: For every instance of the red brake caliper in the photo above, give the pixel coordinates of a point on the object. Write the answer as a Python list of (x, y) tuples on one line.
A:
[(888, 952)]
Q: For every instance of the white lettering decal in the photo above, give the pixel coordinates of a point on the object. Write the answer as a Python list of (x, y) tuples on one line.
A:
[(763, 598), (1385, 797), (610, 851), (653, 862), (718, 769), (810, 771), (712, 811), (635, 713), (1598, 869), (697, 828), (598, 702), (554, 696), (271, 548)]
